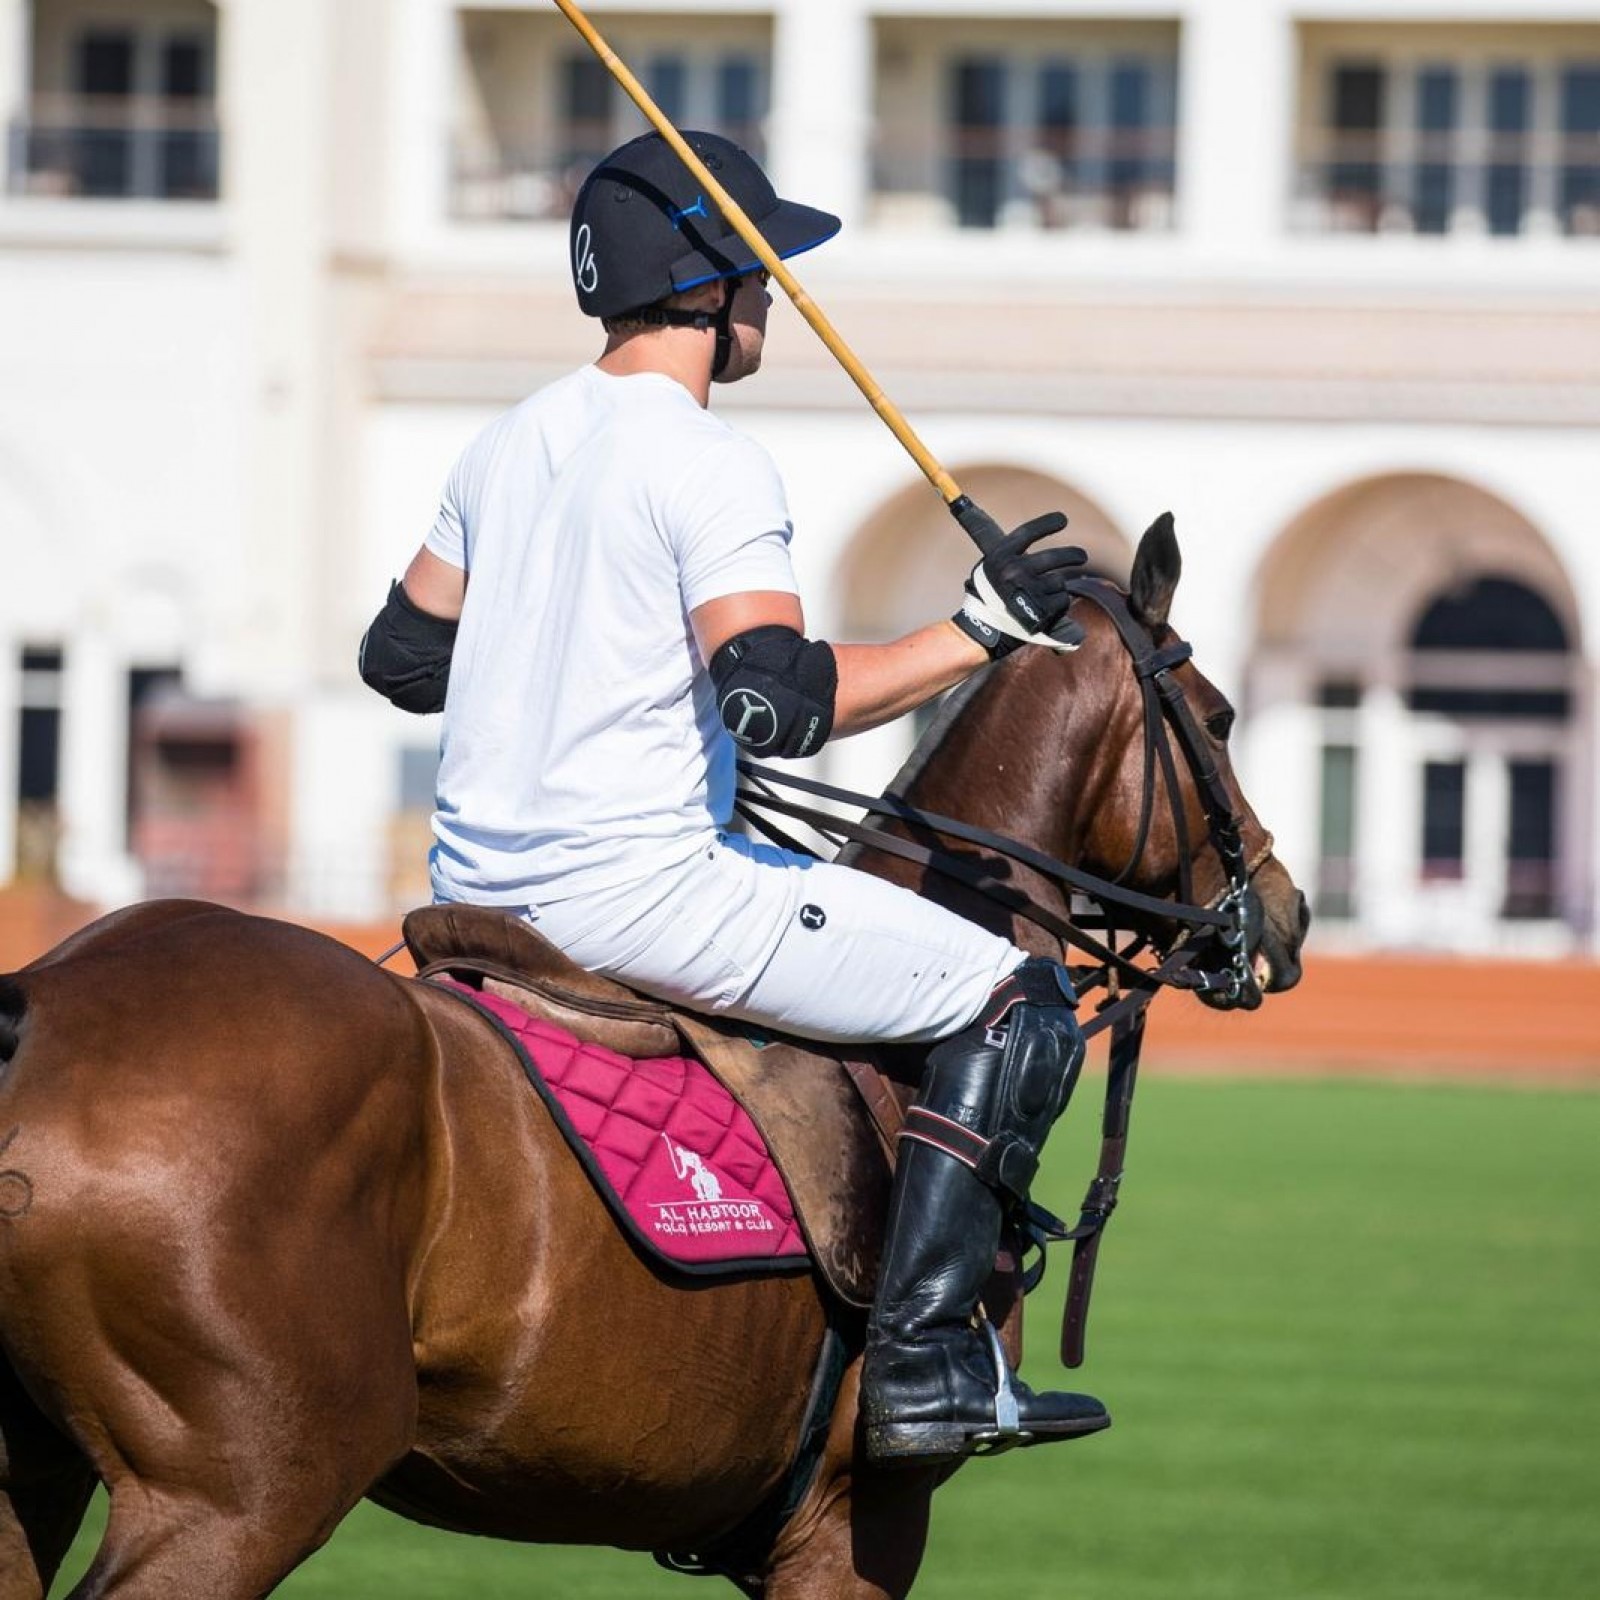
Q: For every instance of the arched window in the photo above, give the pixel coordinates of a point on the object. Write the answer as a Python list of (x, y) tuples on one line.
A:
[(1489, 616), (1432, 633), (1494, 650)]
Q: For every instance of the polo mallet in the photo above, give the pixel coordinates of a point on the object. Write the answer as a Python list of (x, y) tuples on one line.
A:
[(984, 531)]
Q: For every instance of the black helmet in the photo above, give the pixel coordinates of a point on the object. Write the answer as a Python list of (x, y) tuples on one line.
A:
[(643, 228)]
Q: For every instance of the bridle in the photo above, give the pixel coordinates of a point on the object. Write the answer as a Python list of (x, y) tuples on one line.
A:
[(1167, 717), (1129, 986), (1167, 711)]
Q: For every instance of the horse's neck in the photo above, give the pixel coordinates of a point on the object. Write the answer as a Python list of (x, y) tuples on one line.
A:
[(906, 783), (1009, 751)]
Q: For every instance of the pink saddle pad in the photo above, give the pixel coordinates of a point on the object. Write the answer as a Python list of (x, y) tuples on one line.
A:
[(674, 1154)]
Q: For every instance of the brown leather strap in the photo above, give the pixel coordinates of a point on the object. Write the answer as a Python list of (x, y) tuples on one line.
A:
[(1127, 1037), (884, 1106)]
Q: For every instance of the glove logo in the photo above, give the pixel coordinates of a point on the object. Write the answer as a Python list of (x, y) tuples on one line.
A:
[(813, 917), (750, 718)]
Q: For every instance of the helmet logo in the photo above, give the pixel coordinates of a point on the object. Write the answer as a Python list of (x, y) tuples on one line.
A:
[(583, 266), (698, 209)]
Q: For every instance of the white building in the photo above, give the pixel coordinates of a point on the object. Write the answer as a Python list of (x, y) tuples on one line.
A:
[(1322, 278)]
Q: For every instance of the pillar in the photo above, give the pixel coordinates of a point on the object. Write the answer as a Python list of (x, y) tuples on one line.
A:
[(1236, 138), (94, 861), (1388, 817), (1278, 757), (424, 51), (10, 730), (1487, 838), (822, 105), (275, 56), (16, 72)]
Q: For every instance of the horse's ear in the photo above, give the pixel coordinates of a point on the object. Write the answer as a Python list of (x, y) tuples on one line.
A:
[(1156, 569)]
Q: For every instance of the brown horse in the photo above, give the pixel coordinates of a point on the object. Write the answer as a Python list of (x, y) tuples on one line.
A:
[(280, 1230)]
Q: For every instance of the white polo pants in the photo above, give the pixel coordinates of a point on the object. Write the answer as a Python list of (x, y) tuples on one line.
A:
[(747, 930)]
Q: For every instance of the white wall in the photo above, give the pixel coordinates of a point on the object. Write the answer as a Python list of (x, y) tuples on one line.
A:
[(199, 459), (123, 530)]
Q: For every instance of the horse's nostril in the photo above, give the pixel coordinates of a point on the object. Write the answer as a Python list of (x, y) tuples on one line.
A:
[(1305, 917)]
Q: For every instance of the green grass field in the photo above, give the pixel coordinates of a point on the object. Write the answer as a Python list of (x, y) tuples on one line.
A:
[(1348, 1332)]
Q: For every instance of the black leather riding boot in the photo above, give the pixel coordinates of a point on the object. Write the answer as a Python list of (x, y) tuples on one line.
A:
[(934, 1387)]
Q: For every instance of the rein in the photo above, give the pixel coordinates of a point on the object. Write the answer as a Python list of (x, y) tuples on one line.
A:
[(1129, 987)]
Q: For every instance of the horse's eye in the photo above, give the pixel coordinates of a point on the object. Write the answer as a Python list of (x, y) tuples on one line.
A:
[(1220, 724)]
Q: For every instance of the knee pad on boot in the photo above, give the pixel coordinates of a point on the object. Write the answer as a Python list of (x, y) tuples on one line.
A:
[(992, 1092)]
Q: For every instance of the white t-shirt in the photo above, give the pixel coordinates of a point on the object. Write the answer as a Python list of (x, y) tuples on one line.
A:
[(582, 745)]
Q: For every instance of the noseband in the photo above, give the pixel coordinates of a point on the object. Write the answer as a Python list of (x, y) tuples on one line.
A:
[(1129, 988)]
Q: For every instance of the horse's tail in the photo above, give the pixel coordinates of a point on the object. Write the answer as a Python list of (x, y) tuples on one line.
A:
[(13, 1005)]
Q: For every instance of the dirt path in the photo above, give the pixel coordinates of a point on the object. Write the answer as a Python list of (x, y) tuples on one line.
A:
[(1410, 1014)]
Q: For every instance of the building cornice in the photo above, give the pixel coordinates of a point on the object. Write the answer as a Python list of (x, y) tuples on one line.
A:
[(1469, 359)]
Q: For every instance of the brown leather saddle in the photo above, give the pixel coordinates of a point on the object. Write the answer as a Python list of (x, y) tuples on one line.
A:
[(829, 1123)]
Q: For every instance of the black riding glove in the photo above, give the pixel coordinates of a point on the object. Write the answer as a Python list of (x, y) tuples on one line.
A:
[(1019, 596)]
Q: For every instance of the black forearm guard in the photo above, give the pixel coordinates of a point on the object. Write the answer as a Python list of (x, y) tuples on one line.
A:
[(405, 654)]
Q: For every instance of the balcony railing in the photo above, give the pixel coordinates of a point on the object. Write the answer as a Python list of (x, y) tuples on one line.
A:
[(534, 182), (114, 148), (1502, 184), (1055, 179)]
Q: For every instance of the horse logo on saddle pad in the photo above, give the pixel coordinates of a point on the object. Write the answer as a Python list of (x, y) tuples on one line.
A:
[(736, 1223), (686, 1164)]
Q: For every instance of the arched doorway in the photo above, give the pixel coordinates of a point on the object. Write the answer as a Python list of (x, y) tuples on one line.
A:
[(1426, 638), (905, 566), (907, 562)]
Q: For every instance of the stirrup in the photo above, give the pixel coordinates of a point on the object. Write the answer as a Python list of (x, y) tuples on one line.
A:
[(1008, 1431)]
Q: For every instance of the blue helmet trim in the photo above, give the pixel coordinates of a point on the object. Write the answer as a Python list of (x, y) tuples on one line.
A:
[(755, 266)]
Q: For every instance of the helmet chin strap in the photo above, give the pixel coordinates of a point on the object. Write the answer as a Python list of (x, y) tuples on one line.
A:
[(724, 327), (720, 321)]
